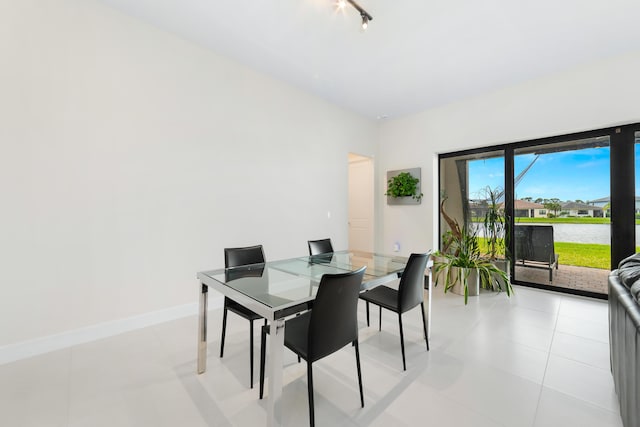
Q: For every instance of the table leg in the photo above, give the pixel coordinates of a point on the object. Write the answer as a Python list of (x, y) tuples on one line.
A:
[(429, 290), (202, 330), (276, 350)]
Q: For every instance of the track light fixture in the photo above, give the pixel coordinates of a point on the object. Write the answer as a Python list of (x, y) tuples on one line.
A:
[(365, 21), (363, 13)]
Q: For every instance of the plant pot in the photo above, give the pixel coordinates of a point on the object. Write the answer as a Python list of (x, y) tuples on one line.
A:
[(437, 278), (473, 281), (505, 266)]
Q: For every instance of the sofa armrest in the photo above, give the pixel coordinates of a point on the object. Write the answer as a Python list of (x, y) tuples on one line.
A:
[(624, 343)]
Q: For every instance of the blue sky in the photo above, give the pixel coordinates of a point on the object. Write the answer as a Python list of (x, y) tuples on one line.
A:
[(569, 175)]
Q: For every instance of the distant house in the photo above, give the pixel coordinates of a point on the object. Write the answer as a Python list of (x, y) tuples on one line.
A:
[(581, 209), (526, 209), (605, 202), (478, 209)]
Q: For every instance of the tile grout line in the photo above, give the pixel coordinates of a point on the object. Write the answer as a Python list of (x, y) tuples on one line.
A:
[(547, 364), (69, 380)]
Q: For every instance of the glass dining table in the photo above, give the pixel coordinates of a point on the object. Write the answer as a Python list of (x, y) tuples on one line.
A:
[(278, 289)]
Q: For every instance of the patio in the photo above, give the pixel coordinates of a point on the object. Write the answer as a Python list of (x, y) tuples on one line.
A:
[(568, 276)]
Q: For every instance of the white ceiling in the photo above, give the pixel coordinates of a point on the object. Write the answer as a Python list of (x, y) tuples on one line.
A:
[(416, 54)]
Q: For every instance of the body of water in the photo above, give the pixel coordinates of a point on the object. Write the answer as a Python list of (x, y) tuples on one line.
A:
[(584, 233)]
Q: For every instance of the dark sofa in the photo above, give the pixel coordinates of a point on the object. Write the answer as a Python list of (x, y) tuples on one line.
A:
[(624, 337)]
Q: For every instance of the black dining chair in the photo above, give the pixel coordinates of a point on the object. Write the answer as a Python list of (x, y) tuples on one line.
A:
[(319, 247), (410, 293), (235, 257), (328, 327)]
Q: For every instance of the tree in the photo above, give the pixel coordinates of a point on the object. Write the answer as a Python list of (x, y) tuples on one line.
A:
[(539, 200), (552, 205), (528, 199)]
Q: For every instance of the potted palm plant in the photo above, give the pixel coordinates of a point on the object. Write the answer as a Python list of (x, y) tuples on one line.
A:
[(464, 270), (495, 230)]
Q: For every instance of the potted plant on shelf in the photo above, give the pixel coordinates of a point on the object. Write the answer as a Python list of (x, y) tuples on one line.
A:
[(464, 270), (403, 185)]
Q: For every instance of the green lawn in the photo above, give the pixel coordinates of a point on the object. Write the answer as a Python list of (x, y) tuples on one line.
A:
[(584, 254), (572, 220), (579, 254)]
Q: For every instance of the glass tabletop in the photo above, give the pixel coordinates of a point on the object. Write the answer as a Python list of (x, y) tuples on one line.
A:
[(281, 284), (267, 285), (378, 265)]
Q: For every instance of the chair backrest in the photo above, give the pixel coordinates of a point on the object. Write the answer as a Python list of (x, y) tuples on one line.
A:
[(317, 247), (411, 287), (543, 244), (234, 257), (535, 243), (334, 316), (242, 273)]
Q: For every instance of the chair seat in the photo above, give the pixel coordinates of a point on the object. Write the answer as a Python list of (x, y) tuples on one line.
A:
[(410, 294), (383, 296), (330, 326), (241, 310)]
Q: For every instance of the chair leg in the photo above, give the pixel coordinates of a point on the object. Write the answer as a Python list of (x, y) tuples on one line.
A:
[(224, 330), (263, 348), (251, 351), (310, 390), (404, 363), (424, 324), (380, 320), (367, 313), (355, 343)]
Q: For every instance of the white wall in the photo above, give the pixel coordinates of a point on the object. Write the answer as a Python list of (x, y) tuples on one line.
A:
[(590, 97), (130, 158)]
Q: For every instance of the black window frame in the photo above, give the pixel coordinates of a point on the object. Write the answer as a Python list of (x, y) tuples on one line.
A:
[(622, 192)]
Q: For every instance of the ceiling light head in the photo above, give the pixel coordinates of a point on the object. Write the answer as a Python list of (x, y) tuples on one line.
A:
[(363, 13), (341, 4), (365, 21)]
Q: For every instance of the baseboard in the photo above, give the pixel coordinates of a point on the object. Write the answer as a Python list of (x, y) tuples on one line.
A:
[(22, 350)]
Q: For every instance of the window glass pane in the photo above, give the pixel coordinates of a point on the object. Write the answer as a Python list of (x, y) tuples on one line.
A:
[(562, 207)]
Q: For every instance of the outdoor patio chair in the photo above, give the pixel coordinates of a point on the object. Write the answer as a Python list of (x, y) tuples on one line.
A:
[(535, 247)]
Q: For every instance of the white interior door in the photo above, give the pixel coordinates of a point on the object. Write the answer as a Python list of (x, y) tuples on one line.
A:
[(360, 203)]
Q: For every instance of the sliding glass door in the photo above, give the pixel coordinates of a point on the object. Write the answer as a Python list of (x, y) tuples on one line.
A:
[(567, 203), (562, 220)]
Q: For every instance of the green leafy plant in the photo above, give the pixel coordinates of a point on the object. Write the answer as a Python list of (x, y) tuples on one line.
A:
[(403, 185), (494, 224), (464, 256)]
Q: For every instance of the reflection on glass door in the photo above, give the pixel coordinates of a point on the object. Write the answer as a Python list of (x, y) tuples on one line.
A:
[(637, 186), (562, 209), (472, 188), (472, 207)]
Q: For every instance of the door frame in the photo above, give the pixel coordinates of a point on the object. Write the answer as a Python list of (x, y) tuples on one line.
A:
[(622, 190)]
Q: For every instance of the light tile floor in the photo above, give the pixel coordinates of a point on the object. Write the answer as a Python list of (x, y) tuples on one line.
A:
[(536, 359)]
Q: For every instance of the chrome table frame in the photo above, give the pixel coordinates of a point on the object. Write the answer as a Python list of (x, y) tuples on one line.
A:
[(276, 318)]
